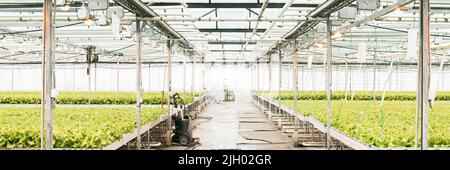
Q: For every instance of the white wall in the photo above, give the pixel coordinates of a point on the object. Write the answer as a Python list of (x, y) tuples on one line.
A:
[(361, 80), (74, 77), (239, 77)]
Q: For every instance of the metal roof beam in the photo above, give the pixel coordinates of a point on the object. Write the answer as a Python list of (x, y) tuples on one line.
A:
[(365, 20), (229, 30), (231, 50), (226, 62), (229, 42), (324, 10), (235, 5), (142, 10)]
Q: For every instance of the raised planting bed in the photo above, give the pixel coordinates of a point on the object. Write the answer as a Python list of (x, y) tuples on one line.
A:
[(85, 128), (389, 126)]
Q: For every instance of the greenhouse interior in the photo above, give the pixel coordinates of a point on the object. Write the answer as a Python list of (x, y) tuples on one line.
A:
[(218, 74)]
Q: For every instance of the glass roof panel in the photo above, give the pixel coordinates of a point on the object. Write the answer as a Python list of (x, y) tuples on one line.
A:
[(21, 25)]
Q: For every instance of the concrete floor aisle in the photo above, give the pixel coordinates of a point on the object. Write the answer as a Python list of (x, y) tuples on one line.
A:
[(237, 125)]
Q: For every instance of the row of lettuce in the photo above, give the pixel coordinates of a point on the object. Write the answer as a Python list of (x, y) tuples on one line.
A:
[(390, 124), (100, 98), (86, 128), (92, 128), (357, 95)]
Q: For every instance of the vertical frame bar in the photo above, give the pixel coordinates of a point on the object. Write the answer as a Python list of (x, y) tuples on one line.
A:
[(184, 77), (203, 74), (424, 69), (295, 88), (138, 83), (95, 77), (257, 81), (193, 76), (329, 82), (270, 87), (280, 79), (149, 77), (295, 75), (47, 65), (117, 76), (169, 90)]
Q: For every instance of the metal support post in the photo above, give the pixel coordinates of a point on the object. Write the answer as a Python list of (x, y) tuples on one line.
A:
[(184, 76), (280, 79), (252, 77), (314, 82), (149, 78), (95, 77), (169, 90), (295, 87), (374, 77), (193, 76), (12, 76), (396, 79), (257, 82), (329, 82), (90, 84), (203, 75), (270, 87), (184, 81), (47, 69), (302, 86), (337, 78), (73, 77), (138, 83), (424, 70), (346, 77), (117, 76)]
